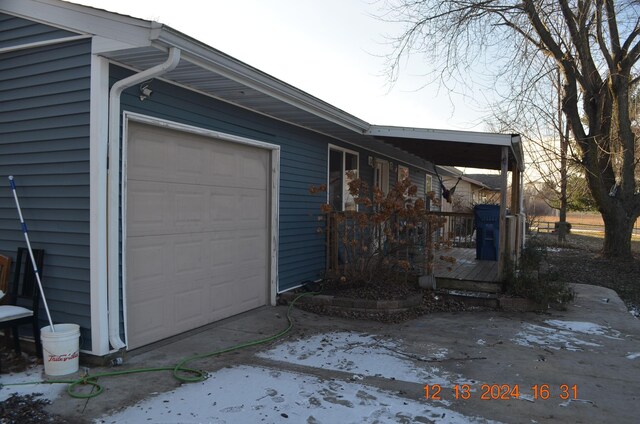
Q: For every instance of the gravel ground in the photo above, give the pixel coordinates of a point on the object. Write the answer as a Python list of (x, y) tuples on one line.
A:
[(26, 409), (580, 261)]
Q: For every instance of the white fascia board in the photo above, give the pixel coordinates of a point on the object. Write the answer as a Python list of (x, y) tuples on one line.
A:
[(222, 64), (516, 141), (440, 135), (84, 19)]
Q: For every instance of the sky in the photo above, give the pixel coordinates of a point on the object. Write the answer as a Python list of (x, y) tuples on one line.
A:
[(333, 49)]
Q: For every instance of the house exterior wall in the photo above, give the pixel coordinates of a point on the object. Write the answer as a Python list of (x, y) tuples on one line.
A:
[(16, 31), (303, 163), (44, 143)]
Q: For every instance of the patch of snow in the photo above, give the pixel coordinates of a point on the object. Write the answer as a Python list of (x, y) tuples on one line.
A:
[(481, 342), (633, 355), (635, 311), (31, 375), (247, 394), (440, 354), (528, 398), (585, 328), (363, 354), (569, 401), (552, 338)]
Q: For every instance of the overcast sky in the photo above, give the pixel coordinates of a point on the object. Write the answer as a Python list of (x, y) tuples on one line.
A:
[(332, 49)]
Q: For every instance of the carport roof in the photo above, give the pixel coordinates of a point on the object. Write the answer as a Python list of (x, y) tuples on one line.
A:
[(453, 148), (139, 44)]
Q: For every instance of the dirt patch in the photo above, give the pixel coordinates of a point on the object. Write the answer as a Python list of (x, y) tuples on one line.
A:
[(371, 291), (27, 409), (11, 362)]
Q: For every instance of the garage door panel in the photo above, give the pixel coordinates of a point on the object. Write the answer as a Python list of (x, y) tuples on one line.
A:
[(197, 231), (253, 169), (223, 207), (148, 320), (147, 265), (223, 169), (219, 252), (189, 205), (189, 252), (149, 154), (246, 248), (189, 161), (146, 207), (252, 206), (189, 307), (221, 299)]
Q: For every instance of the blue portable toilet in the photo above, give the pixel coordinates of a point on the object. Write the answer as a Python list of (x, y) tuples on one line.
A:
[(487, 224)]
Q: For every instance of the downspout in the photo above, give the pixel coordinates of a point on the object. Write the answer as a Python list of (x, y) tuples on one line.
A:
[(114, 188)]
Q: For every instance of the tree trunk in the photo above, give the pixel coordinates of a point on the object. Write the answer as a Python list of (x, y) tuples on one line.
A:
[(564, 147), (618, 228)]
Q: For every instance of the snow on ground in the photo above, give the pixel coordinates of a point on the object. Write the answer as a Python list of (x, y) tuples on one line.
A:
[(584, 328), (363, 355), (246, 394), (34, 374), (633, 355), (553, 338)]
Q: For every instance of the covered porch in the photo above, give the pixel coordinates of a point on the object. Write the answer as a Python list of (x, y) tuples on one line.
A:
[(455, 266)]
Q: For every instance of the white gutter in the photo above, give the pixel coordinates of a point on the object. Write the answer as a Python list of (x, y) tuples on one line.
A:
[(114, 182)]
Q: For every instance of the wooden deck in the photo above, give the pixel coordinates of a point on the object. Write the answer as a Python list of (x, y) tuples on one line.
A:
[(467, 273)]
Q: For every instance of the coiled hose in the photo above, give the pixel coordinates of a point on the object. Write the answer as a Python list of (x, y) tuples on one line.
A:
[(180, 371)]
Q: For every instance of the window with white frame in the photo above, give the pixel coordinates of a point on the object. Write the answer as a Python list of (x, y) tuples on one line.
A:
[(343, 168), (428, 181), (428, 187)]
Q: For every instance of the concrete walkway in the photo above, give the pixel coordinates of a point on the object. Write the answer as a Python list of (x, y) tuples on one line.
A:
[(584, 362)]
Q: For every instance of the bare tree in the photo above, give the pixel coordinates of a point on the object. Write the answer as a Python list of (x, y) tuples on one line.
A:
[(595, 45), (537, 116)]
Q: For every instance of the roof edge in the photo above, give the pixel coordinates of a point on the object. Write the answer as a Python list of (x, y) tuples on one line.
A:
[(243, 73), (440, 135)]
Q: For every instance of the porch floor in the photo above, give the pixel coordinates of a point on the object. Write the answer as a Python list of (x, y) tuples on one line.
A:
[(469, 271)]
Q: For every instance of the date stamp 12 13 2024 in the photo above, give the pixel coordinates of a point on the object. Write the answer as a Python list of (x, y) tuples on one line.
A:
[(502, 392)]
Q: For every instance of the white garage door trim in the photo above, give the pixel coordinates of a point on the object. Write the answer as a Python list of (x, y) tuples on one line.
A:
[(275, 178)]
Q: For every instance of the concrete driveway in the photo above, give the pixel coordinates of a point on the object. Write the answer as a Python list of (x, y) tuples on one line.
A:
[(576, 366)]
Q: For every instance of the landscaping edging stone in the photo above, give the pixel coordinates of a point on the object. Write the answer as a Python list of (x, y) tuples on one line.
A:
[(336, 303)]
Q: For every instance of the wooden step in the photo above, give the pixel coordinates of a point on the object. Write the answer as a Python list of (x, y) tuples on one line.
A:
[(472, 298)]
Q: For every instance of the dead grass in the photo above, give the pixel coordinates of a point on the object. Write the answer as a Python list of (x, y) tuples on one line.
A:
[(579, 261), (584, 218)]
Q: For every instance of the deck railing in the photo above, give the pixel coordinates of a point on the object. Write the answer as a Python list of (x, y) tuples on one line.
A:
[(454, 229), (458, 230)]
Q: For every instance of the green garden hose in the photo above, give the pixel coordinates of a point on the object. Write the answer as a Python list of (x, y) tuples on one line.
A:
[(180, 371)]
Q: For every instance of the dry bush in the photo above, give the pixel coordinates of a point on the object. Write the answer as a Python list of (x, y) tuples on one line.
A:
[(388, 238)]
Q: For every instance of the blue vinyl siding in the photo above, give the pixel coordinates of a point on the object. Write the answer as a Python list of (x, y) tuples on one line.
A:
[(303, 163), (44, 143), (16, 31)]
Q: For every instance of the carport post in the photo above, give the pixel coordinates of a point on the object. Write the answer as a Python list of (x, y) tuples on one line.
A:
[(503, 212)]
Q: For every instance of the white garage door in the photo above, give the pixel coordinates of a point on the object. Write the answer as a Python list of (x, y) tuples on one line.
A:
[(197, 222)]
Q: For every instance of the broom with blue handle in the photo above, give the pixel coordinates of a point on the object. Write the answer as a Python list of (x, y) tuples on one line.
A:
[(33, 260)]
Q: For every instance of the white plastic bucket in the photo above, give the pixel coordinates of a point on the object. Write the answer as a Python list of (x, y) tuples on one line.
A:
[(61, 349)]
